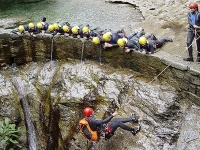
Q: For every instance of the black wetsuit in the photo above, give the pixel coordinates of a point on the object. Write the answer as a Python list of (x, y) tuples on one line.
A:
[(108, 127), (193, 19), (80, 32), (114, 37), (90, 35), (132, 44), (154, 43), (62, 32)]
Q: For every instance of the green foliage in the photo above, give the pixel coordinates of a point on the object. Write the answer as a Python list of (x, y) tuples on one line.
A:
[(109, 54), (8, 131)]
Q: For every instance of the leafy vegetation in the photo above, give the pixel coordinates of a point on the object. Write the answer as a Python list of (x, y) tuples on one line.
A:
[(8, 133)]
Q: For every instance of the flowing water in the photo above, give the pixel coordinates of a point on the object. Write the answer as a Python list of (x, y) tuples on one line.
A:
[(96, 13)]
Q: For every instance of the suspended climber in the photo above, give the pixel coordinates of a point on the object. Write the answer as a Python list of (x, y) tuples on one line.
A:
[(107, 126)]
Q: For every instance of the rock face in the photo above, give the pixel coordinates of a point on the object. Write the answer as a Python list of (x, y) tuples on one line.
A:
[(7, 2), (181, 75), (58, 91)]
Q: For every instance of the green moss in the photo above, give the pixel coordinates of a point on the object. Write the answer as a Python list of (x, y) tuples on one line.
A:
[(109, 54)]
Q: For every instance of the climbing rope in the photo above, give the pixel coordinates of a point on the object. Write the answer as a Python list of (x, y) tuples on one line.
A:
[(82, 52), (176, 56), (51, 49)]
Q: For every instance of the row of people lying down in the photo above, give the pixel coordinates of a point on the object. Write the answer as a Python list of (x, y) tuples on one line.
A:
[(135, 41)]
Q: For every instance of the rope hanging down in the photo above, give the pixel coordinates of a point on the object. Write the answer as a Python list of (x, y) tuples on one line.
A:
[(176, 56)]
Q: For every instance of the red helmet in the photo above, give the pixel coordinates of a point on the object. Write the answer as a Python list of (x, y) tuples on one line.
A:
[(193, 5), (88, 111)]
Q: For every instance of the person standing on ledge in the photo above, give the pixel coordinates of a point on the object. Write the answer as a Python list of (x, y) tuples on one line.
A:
[(193, 31)]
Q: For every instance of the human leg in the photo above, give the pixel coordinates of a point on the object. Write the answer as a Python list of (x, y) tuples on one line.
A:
[(198, 46), (190, 38), (119, 122)]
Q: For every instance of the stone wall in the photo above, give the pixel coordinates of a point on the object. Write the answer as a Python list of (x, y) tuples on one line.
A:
[(158, 67)]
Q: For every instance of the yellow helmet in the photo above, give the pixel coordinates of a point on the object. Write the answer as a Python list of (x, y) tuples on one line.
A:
[(65, 28), (21, 28), (85, 29), (107, 36), (121, 42), (95, 40), (39, 25), (50, 27), (55, 26), (30, 25), (142, 40), (75, 29)]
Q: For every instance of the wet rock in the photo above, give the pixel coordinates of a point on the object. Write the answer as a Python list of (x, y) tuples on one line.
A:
[(11, 23)]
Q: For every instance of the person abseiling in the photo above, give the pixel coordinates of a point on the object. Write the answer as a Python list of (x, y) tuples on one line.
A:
[(150, 43), (111, 38), (128, 45), (77, 32), (193, 31), (108, 126)]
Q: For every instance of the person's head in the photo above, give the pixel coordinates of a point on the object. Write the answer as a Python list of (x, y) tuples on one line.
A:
[(122, 41), (107, 36), (21, 28), (39, 25), (142, 40), (51, 27), (88, 111), (75, 30), (65, 28), (30, 25), (95, 40), (55, 26), (85, 30), (193, 7)]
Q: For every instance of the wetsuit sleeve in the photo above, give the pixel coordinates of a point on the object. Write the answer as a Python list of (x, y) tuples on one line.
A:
[(98, 122), (132, 46), (36, 31), (189, 20), (151, 49), (115, 45)]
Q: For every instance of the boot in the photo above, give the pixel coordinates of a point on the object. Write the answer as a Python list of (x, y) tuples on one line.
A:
[(188, 59), (168, 40), (134, 118), (136, 130)]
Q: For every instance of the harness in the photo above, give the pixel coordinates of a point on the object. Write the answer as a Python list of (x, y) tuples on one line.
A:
[(105, 131)]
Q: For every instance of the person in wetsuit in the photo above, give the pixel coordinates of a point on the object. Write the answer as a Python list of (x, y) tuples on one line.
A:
[(43, 27), (108, 126), (128, 45), (77, 32), (30, 28), (193, 31), (150, 43), (111, 38)]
